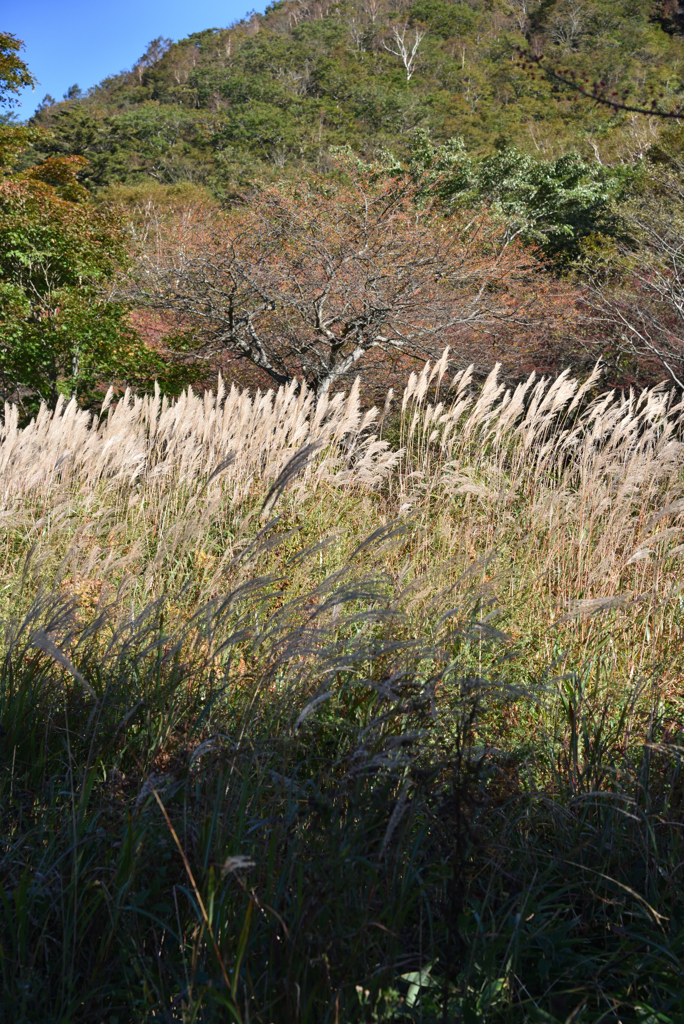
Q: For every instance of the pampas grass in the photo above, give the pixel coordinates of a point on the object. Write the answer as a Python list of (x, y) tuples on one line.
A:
[(300, 725)]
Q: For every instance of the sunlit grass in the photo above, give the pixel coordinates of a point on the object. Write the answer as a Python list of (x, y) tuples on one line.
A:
[(381, 733)]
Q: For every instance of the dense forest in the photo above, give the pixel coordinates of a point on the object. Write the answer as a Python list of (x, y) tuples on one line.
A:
[(273, 93)]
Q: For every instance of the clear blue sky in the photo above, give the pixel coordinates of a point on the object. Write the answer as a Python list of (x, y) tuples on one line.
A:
[(82, 41)]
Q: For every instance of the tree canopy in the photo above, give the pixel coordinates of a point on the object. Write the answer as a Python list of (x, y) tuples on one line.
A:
[(14, 73), (316, 279)]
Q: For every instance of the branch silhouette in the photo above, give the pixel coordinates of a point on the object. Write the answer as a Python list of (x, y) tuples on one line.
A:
[(596, 91)]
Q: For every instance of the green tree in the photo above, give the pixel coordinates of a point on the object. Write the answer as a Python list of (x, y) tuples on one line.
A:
[(61, 330), (557, 205), (14, 73)]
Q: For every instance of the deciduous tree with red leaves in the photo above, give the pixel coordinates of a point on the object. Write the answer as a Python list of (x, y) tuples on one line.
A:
[(310, 279)]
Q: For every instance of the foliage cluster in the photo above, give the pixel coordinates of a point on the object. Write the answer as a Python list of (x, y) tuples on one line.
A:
[(556, 205), (61, 328), (14, 73)]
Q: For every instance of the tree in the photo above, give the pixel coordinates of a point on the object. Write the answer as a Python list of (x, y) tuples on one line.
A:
[(309, 280), (638, 291), (60, 332), (554, 204), (74, 92), (14, 73), (152, 55), (405, 44)]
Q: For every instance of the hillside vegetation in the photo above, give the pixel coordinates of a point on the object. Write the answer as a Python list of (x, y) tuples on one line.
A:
[(421, 160), (272, 93)]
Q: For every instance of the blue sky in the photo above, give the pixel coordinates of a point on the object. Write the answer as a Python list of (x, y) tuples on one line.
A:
[(82, 41)]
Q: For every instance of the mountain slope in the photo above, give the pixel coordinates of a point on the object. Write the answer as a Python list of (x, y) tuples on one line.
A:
[(274, 92)]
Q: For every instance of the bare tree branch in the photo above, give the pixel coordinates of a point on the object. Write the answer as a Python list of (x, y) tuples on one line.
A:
[(406, 45), (598, 90), (642, 297), (306, 280)]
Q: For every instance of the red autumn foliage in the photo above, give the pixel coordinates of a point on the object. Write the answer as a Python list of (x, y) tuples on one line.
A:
[(323, 280)]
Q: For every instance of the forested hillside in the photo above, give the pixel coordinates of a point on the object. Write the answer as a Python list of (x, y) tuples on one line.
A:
[(273, 93), (494, 176)]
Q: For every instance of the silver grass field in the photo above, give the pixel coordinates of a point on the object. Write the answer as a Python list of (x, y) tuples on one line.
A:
[(310, 713)]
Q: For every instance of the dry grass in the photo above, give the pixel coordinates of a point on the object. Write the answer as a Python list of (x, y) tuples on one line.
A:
[(575, 500), (458, 651)]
